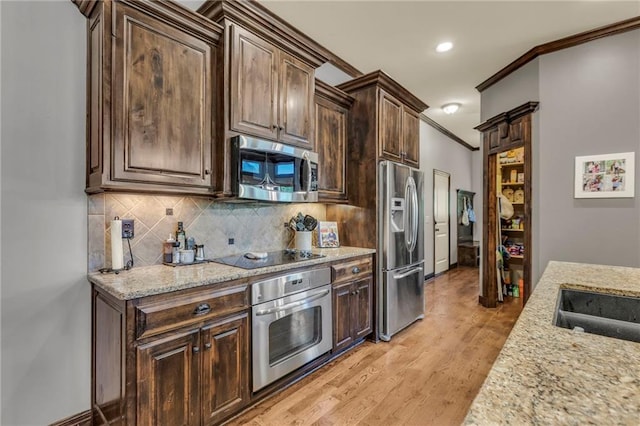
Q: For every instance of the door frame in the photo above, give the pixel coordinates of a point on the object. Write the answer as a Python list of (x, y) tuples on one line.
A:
[(448, 175)]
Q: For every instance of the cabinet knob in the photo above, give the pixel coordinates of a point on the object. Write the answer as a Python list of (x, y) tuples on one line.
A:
[(207, 346), (207, 171), (196, 349), (281, 128), (274, 127), (355, 270)]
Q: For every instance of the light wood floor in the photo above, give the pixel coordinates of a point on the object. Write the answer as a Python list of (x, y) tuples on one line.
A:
[(427, 375)]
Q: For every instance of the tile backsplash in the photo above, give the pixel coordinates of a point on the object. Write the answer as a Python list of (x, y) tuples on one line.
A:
[(252, 226)]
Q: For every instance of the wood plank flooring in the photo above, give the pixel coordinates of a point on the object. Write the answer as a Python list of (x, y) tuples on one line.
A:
[(427, 375)]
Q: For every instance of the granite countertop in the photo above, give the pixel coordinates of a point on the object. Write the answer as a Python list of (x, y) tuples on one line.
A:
[(157, 279), (551, 375)]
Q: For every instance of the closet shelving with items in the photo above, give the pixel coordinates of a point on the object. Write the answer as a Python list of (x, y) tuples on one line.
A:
[(506, 243), (510, 183)]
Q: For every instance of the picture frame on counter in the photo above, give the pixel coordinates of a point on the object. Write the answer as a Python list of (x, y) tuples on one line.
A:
[(328, 235), (605, 176)]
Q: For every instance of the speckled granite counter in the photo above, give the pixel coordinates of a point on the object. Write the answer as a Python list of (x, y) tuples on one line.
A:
[(149, 280), (550, 375)]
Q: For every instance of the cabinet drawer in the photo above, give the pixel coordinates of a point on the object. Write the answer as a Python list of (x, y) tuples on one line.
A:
[(349, 271), (173, 312)]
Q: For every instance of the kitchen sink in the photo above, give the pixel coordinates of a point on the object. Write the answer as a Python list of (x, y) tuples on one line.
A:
[(598, 313)]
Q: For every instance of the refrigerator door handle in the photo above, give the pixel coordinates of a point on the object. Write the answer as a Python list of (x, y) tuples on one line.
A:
[(408, 221), (406, 274), (411, 197)]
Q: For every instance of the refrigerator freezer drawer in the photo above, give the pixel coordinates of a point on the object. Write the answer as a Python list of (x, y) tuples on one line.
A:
[(402, 299)]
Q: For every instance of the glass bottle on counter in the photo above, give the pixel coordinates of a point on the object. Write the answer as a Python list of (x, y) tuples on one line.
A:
[(181, 237)]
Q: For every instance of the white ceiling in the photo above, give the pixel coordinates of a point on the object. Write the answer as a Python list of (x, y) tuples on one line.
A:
[(400, 37)]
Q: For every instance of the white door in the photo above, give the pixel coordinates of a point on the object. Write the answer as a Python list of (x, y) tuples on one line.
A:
[(441, 220)]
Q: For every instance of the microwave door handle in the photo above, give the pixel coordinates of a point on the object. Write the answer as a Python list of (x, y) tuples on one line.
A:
[(305, 157), (294, 304)]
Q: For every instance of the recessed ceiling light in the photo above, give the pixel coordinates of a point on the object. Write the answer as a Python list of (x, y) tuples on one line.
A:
[(444, 47), (450, 108)]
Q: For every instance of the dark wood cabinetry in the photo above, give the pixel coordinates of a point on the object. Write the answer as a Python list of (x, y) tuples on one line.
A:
[(267, 82), (272, 91), (352, 303), (506, 132), (168, 378), (332, 115), (176, 358), (151, 85), (383, 124), (399, 125)]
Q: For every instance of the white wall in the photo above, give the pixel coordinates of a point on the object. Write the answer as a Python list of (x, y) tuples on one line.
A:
[(438, 151), (45, 302)]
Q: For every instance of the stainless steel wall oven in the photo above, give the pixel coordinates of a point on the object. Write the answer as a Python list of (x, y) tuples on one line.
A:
[(291, 317)]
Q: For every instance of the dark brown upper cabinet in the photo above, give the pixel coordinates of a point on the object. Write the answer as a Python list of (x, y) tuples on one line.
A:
[(272, 92), (150, 91), (332, 115), (267, 81), (396, 113)]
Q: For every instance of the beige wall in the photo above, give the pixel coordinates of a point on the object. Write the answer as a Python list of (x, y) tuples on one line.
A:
[(253, 226)]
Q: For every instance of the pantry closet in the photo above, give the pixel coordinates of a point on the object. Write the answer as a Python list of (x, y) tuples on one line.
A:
[(506, 247)]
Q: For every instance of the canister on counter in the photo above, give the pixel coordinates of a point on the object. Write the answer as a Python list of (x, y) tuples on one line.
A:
[(167, 250)]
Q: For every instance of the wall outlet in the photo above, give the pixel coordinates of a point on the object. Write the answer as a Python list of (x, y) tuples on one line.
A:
[(232, 241), (127, 228)]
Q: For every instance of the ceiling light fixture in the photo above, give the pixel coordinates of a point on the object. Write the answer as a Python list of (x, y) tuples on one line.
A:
[(444, 47), (450, 108)]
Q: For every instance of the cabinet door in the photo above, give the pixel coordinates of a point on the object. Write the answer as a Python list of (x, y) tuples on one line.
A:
[(297, 87), (342, 336), (331, 140), (390, 127), (361, 308), (254, 84), (162, 96), (225, 368), (167, 371), (411, 137)]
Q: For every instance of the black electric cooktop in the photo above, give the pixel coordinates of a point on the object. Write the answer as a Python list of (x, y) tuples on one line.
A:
[(273, 258)]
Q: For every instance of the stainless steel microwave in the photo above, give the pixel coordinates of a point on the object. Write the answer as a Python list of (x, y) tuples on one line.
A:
[(271, 171)]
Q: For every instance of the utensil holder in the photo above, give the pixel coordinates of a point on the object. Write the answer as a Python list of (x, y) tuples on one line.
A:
[(303, 240)]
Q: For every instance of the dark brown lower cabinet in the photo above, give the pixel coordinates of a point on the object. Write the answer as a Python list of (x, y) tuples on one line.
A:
[(201, 373), (168, 376), (179, 358), (225, 368), (352, 315)]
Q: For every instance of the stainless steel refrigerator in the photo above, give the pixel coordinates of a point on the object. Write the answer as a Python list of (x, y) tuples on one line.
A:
[(400, 247)]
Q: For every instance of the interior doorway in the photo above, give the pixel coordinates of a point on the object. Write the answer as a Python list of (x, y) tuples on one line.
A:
[(441, 188)]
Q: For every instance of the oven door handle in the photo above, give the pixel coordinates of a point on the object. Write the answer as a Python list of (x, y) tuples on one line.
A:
[(293, 304)]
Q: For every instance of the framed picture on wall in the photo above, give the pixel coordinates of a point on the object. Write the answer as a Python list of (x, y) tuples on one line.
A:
[(328, 234), (605, 176)]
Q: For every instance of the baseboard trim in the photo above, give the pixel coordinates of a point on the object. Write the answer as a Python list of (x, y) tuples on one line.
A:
[(453, 265), (81, 419), (429, 276)]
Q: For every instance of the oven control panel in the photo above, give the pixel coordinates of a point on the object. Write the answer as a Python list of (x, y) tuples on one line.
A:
[(285, 285)]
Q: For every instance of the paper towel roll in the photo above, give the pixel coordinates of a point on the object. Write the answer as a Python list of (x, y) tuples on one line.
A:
[(117, 256)]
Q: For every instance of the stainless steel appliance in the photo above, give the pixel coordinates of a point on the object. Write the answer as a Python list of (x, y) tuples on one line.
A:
[(401, 247), (291, 317), (271, 171)]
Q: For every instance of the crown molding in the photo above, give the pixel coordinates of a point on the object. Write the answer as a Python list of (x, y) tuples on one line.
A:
[(563, 43), (448, 134), (509, 116), (383, 80)]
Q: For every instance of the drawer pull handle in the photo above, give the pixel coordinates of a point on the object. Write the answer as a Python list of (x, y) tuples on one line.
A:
[(202, 309), (355, 270), (196, 349)]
